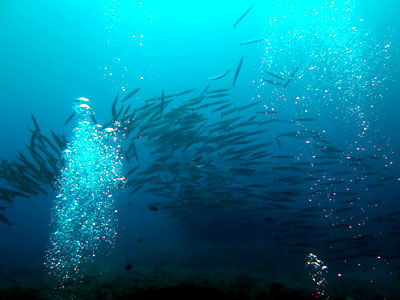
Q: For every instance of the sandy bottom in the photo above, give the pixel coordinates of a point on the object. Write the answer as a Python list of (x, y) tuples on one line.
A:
[(130, 282)]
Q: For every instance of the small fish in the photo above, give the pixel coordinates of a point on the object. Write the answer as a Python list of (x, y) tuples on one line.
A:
[(272, 81), (283, 156), (251, 42), (224, 113), (10, 280), (372, 156), (139, 240), (35, 123), (203, 165), (213, 103), (130, 95), (128, 267), (125, 114), (289, 134), (93, 118), (69, 118), (114, 108), (153, 208), (58, 140), (243, 15), (205, 90), (119, 112), (126, 157), (219, 76), (274, 75), (304, 119), (5, 220), (287, 82), (134, 151), (218, 91), (251, 104), (237, 71), (222, 107), (185, 92), (218, 95), (162, 103), (278, 142), (291, 76), (344, 209)]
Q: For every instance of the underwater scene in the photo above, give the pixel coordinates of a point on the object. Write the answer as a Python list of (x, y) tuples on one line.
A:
[(193, 149)]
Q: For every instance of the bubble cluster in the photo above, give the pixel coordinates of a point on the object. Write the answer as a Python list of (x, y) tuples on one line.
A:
[(124, 37), (83, 215), (343, 62), (318, 272)]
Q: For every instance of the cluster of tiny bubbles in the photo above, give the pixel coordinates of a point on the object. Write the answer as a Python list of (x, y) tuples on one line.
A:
[(343, 62), (124, 38), (83, 214), (116, 69), (318, 272)]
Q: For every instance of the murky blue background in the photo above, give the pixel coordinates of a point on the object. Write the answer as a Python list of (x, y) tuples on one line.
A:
[(53, 52)]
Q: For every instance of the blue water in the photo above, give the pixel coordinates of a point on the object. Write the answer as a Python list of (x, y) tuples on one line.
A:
[(348, 53)]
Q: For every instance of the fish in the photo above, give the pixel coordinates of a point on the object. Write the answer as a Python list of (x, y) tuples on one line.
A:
[(218, 95), (345, 209), (126, 113), (222, 107), (135, 152), (153, 208), (58, 140), (185, 92), (251, 42), (12, 193), (291, 77), (371, 156), (246, 106), (69, 118), (117, 116), (126, 156), (304, 120), (93, 118), (243, 15), (275, 75), (130, 95), (288, 134), (7, 198), (35, 123), (132, 145), (219, 76), (204, 165), (162, 104), (5, 220), (237, 71), (205, 90), (114, 108), (283, 156), (278, 142), (227, 112), (226, 163), (218, 91), (213, 103), (156, 98), (272, 82)]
